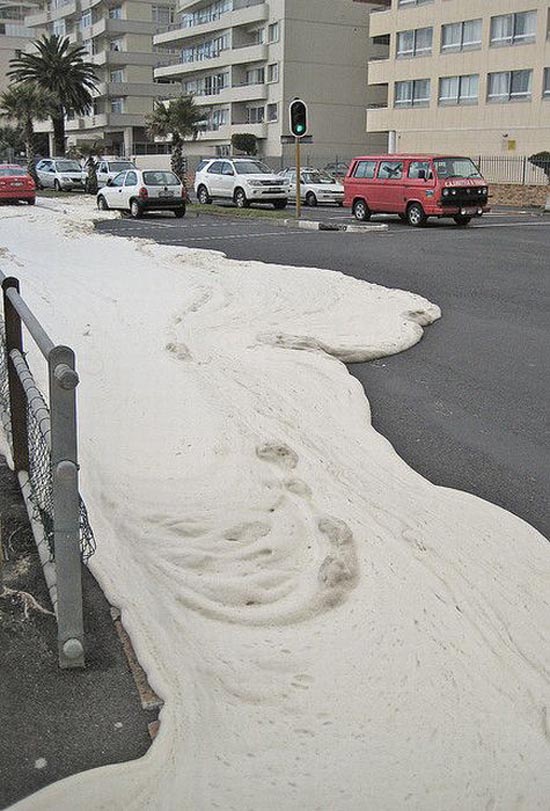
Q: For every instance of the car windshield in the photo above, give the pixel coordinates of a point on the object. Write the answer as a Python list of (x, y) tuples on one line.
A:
[(11, 171), (120, 166), (67, 166), (456, 167), (160, 179), (251, 168), (317, 177)]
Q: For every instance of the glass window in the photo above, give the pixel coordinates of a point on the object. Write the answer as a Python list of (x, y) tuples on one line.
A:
[(116, 45), (461, 36), (115, 13), (67, 166), (273, 32), (273, 72), (455, 167), (131, 179), (510, 85), (546, 84), (365, 169), (160, 179), (510, 29), (412, 93), (413, 2), (255, 115), (227, 169), (459, 89), (272, 112), (215, 168), (390, 170), (85, 20), (414, 43), (245, 167), (117, 104), (117, 75), (118, 180), (417, 167)]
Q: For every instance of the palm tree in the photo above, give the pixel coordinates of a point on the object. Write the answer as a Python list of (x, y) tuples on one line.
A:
[(178, 119), (21, 104), (59, 67)]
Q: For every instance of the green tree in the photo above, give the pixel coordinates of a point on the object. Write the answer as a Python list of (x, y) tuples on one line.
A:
[(542, 161), (22, 104), (60, 68), (12, 140), (91, 152), (177, 119), (245, 142)]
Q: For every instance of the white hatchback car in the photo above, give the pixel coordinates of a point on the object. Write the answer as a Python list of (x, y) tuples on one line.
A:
[(138, 191), (61, 174), (315, 187), (243, 180)]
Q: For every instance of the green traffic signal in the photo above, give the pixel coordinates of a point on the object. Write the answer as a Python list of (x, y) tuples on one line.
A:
[(298, 118)]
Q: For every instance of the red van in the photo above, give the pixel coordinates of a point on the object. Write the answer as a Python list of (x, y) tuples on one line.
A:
[(416, 187)]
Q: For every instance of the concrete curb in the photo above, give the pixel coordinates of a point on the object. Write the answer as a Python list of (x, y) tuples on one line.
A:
[(353, 228)]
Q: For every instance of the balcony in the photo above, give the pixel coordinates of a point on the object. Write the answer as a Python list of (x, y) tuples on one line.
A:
[(231, 56), (147, 89), (235, 94), (116, 58), (242, 16), (118, 26)]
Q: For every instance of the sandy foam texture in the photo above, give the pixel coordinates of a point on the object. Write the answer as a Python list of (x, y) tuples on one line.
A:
[(328, 629)]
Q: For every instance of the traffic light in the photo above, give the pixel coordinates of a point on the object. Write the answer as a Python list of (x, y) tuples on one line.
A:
[(298, 118)]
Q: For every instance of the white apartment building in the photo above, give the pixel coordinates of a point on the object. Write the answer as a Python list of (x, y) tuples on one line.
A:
[(469, 76), (14, 34), (245, 60), (118, 35)]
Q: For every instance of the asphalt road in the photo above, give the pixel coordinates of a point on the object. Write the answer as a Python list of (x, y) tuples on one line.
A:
[(468, 406)]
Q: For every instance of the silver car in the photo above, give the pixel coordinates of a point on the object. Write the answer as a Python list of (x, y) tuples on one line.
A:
[(61, 174), (109, 169)]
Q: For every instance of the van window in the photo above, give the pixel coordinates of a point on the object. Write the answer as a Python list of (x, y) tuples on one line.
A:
[(417, 166), (364, 169), (390, 170)]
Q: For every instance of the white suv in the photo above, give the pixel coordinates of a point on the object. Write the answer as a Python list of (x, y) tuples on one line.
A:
[(243, 180)]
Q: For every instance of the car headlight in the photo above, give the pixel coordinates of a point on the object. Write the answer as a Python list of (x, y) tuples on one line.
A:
[(254, 182), (445, 192), (453, 191)]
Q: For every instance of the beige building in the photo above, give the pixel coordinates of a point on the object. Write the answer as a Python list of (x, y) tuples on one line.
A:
[(469, 76), (118, 35), (14, 34), (245, 60)]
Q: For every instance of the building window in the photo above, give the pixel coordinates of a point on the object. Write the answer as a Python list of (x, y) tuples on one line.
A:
[(272, 113), (87, 45), (255, 76), (546, 85), (413, 2), (85, 20), (412, 93), (117, 75), (115, 13), (255, 115), (512, 29), (414, 43), (59, 28), (205, 50), (464, 36), (510, 85), (459, 89), (207, 14), (116, 45), (117, 105), (273, 32), (162, 16), (273, 72), (223, 150)]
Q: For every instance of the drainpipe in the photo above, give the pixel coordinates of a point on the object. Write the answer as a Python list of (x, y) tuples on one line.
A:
[(392, 142)]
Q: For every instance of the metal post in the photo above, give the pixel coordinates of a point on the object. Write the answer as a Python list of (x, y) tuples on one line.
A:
[(298, 181), (66, 506), (18, 401)]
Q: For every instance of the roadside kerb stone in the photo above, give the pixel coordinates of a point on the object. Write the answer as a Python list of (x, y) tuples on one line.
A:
[(314, 225)]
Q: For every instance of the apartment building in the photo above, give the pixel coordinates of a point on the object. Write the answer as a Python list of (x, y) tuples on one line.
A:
[(245, 60), (14, 35), (118, 36), (470, 76)]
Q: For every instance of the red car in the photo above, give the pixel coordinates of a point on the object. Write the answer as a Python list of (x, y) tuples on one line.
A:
[(16, 184)]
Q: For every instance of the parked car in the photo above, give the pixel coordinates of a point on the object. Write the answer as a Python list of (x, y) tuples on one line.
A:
[(16, 184), (107, 169), (139, 191), (315, 187), (61, 174), (416, 187), (243, 180), (337, 169)]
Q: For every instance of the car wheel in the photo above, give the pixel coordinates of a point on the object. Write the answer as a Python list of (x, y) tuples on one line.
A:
[(136, 210), (462, 219), (416, 216), (202, 196), (57, 185), (311, 200), (279, 204), (239, 198), (102, 204), (361, 211), (179, 212)]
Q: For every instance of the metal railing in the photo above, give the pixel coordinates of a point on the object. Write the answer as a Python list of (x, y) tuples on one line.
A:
[(43, 439), (514, 169)]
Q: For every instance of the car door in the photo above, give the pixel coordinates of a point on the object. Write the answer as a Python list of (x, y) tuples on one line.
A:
[(102, 174), (227, 180), (419, 184), (390, 189), (46, 174), (113, 193), (129, 189), (214, 176)]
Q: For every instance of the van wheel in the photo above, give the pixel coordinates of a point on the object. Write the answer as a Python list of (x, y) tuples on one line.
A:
[(102, 204), (239, 198), (202, 196), (416, 216), (136, 210), (462, 219), (361, 211), (311, 200)]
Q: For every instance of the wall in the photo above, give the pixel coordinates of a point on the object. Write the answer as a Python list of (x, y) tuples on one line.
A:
[(512, 194)]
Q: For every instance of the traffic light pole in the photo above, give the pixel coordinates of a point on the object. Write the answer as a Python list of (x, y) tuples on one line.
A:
[(298, 180)]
